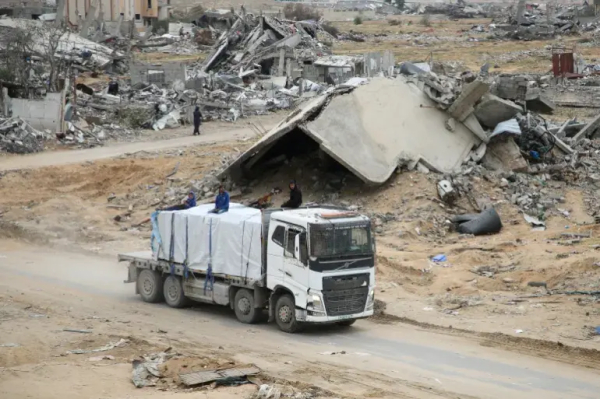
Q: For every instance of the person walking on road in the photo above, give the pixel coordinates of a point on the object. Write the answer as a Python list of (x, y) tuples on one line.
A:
[(197, 121)]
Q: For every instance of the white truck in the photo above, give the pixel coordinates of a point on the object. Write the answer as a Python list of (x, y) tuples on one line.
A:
[(307, 265)]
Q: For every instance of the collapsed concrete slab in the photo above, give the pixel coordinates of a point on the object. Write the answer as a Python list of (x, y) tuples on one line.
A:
[(493, 110), (370, 129), (504, 154)]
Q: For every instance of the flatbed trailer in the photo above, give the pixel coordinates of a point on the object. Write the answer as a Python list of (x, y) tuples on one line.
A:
[(310, 265)]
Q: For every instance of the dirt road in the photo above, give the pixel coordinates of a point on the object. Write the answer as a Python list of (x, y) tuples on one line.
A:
[(378, 361), (55, 158)]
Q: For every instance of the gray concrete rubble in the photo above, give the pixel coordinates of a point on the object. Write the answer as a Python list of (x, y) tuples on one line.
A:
[(426, 121), (523, 21), (18, 137), (492, 110), (371, 129), (70, 47)]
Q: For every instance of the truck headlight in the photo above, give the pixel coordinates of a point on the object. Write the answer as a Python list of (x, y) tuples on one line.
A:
[(315, 304), (370, 299)]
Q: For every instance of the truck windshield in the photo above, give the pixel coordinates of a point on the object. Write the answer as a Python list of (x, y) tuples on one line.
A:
[(340, 240)]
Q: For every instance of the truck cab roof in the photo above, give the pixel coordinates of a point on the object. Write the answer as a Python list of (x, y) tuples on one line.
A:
[(318, 215)]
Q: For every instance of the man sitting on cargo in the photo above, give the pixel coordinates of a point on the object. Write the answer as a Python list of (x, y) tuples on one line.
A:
[(189, 202), (222, 201), (295, 197)]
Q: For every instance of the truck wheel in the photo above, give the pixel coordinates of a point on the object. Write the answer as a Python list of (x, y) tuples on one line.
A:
[(173, 292), (285, 314), (243, 305), (150, 287), (346, 323)]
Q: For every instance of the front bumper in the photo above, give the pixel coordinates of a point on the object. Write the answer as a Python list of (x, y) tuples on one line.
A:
[(303, 316)]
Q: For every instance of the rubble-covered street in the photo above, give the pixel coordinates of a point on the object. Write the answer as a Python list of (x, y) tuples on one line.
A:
[(468, 133)]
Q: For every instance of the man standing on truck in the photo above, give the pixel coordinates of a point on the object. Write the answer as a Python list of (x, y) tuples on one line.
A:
[(189, 202), (295, 197), (221, 202)]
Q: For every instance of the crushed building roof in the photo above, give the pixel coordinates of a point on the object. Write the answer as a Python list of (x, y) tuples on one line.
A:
[(370, 129)]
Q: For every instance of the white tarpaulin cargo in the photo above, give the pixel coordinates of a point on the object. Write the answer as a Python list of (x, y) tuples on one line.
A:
[(232, 239)]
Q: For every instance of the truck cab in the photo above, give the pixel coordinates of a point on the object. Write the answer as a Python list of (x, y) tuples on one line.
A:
[(320, 266)]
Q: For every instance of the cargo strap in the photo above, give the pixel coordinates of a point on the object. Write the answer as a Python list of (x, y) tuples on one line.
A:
[(210, 278), (185, 262), (172, 247), (248, 257)]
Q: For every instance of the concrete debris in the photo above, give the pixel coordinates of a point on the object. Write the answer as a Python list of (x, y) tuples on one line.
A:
[(446, 192), (146, 371), (17, 137), (533, 21), (363, 117), (284, 391), (101, 358), (86, 54), (456, 10), (504, 154), (104, 348), (536, 223), (492, 110)]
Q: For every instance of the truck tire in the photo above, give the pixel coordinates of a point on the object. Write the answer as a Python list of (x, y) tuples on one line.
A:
[(243, 305), (150, 286), (285, 314), (173, 292), (346, 323)]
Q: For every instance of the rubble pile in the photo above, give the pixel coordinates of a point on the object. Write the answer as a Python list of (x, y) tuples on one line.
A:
[(253, 67), (17, 137), (454, 10), (252, 44), (81, 53), (537, 21)]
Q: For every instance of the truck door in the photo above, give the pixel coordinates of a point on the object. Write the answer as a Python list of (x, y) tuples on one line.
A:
[(296, 273), (275, 245)]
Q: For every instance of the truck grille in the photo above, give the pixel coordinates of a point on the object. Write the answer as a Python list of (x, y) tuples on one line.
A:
[(345, 302)]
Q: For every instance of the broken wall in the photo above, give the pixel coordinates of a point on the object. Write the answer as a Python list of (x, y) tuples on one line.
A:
[(159, 74), (374, 63), (40, 114)]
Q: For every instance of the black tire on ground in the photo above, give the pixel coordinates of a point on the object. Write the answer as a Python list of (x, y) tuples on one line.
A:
[(150, 286), (346, 323), (173, 292), (243, 305), (285, 314)]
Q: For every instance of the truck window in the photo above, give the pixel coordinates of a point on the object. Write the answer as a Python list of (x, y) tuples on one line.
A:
[(278, 235), (289, 244)]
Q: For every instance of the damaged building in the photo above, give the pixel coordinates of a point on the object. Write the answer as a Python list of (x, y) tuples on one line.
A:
[(369, 129)]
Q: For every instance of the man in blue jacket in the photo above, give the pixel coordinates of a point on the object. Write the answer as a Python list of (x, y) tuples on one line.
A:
[(222, 201), (189, 202)]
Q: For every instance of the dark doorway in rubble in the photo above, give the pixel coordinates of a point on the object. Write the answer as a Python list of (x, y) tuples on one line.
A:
[(266, 66), (294, 148)]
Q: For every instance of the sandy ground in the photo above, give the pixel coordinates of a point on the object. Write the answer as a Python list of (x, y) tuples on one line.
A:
[(45, 291)]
